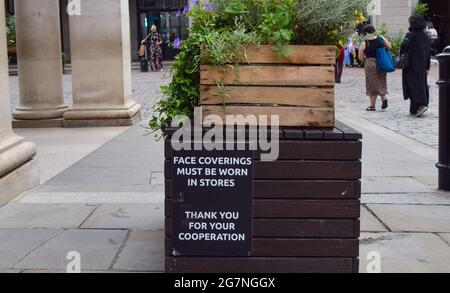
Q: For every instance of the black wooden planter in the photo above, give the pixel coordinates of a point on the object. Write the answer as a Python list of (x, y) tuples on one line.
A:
[(306, 208)]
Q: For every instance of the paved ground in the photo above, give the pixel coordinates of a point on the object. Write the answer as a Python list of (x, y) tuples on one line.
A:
[(351, 99), (109, 205)]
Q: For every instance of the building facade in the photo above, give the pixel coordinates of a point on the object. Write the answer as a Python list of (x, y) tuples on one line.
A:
[(143, 14), (395, 14)]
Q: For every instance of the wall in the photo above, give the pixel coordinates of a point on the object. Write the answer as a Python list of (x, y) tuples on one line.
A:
[(394, 13)]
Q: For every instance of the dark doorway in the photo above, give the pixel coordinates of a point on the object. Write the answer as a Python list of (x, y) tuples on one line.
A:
[(439, 14), (170, 23)]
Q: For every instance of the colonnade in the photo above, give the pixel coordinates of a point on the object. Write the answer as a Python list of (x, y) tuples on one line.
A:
[(101, 78)]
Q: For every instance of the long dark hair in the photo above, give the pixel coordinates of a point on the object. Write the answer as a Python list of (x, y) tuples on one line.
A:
[(417, 23)]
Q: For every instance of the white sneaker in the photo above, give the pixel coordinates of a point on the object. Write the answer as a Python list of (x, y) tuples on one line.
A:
[(421, 111)]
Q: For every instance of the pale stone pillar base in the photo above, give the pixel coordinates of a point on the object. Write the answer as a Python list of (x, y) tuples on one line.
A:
[(18, 181), (102, 118), (101, 66), (39, 63), (18, 172)]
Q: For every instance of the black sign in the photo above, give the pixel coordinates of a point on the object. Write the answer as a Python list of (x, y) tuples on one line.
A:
[(212, 195)]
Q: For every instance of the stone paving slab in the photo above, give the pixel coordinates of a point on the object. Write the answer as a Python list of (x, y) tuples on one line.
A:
[(144, 251), (438, 198), (351, 98), (9, 271), (413, 218), (393, 185), (96, 197), (97, 248), (369, 223), (127, 216), (50, 216), (446, 237), (16, 244), (406, 253)]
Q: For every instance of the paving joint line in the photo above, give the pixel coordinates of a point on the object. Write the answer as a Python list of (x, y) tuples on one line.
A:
[(378, 218), (119, 251)]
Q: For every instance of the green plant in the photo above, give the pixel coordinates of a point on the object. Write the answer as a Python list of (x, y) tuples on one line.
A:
[(324, 22), (222, 30), (228, 47), (11, 30), (277, 27), (395, 40), (421, 9)]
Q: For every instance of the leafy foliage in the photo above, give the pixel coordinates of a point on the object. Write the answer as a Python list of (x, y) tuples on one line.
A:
[(11, 30), (395, 40), (324, 22), (421, 9), (222, 30)]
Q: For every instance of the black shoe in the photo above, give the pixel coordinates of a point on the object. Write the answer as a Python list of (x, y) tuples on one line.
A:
[(371, 109), (385, 104)]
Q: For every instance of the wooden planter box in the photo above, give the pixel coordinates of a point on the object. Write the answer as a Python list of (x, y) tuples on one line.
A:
[(300, 88), (306, 208), (12, 50)]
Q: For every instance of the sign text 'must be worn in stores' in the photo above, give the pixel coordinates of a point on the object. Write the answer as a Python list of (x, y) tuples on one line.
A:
[(212, 203)]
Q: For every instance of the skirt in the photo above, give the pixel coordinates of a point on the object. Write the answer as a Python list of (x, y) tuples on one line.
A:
[(376, 81)]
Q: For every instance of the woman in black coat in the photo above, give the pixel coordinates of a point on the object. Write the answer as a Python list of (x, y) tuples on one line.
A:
[(416, 51)]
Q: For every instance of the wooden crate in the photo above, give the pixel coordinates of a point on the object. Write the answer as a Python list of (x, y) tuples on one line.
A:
[(306, 208), (299, 88)]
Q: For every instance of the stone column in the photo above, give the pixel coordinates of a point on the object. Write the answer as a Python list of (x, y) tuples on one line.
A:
[(101, 66), (17, 167), (39, 63)]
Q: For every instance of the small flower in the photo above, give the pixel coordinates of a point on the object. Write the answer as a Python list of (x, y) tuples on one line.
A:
[(178, 14), (193, 2), (186, 10), (210, 7), (177, 43)]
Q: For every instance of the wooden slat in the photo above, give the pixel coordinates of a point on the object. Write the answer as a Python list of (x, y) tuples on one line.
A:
[(294, 134), (259, 265), (298, 55), (299, 209), (294, 189), (303, 228), (296, 228), (317, 189), (314, 135), (300, 170), (334, 134), (349, 132), (307, 209), (305, 247), (308, 170), (288, 116), (283, 96), (268, 75), (307, 150), (277, 247)]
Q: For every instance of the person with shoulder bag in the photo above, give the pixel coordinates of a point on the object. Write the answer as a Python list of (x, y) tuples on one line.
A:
[(376, 79)]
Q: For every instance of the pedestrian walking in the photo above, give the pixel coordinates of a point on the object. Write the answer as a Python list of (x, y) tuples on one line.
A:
[(154, 41), (376, 81), (340, 56), (416, 55)]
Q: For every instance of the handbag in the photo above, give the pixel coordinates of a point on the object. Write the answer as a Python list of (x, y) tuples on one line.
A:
[(385, 62), (405, 60), (141, 51)]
